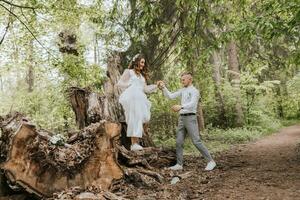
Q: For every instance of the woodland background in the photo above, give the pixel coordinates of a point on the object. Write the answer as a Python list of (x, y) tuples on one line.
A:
[(244, 56)]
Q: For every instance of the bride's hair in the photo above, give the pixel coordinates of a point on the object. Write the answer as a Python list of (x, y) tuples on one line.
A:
[(135, 63)]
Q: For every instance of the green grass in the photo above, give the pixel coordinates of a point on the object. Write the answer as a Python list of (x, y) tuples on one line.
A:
[(290, 122), (217, 140)]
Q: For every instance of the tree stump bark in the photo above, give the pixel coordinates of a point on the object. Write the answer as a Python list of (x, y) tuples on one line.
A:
[(42, 168), (3, 191), (41, 164)]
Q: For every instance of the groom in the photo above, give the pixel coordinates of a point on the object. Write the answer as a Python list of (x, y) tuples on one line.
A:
[(187, 122)]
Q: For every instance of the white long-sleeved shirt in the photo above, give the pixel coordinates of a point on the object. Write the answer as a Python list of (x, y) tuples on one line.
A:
[(189, 98)]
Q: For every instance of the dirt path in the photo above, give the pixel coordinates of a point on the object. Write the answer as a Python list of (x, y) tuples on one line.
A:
[(267, 169)]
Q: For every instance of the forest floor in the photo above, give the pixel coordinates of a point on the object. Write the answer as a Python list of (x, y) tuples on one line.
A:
[(268, 168), (265, 169)]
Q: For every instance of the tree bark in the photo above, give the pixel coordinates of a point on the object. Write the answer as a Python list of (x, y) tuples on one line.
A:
[(39, 163), (77, 98), (68, 42), (280, 111), (1, 83), (96, 51), (43, 167), (200, 117), (2, 185), (217, 64), (234, 76)]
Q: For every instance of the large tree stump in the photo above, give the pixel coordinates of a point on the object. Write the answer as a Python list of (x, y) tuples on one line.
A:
[(39, 164), (9, 125), (2, 185), (43, 168)]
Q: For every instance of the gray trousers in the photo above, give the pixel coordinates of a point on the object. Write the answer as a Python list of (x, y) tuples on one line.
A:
[(189, 124)]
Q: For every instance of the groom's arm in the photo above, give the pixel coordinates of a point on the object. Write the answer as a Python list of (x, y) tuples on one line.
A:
[(171, 95)]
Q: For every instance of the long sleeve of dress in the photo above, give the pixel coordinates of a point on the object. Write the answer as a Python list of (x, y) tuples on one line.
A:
[(150, 88), (124, 81)]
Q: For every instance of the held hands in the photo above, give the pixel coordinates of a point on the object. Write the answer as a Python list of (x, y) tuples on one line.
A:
[(160, 84), (176, 108)]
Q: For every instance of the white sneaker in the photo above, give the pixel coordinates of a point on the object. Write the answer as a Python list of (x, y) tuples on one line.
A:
[(136, 147), (210, 165), (176, 167)]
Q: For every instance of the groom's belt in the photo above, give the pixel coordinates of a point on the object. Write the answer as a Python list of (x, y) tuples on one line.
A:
[(187, 114)]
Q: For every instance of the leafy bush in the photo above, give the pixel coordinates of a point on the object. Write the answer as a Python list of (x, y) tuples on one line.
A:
[(47, 107), (233, 136)]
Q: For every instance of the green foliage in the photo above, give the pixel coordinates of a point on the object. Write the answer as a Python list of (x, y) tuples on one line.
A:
[(182, 35), (163, 120), (273, 18), (77, 73), (46, 106), (233, 136), (291, 102)]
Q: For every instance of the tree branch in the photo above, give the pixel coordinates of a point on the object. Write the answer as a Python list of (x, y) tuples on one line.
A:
[(6, 30), (197, 19), (25, 25), (163, 52), (16, 5)]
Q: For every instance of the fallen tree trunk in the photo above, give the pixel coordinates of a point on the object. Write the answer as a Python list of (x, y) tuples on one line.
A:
[(42, 168), (39, 163), (9, 125)]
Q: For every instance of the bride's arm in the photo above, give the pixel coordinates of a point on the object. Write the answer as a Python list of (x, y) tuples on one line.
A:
[(150, 88), (123, 83)]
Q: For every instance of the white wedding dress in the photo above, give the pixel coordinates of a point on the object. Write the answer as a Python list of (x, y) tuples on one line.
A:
[(135, 102)]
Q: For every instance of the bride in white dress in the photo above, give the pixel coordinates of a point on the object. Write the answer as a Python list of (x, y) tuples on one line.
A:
[(134, 100)]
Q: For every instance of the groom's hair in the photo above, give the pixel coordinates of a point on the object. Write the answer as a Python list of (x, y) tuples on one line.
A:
[(186, 73)]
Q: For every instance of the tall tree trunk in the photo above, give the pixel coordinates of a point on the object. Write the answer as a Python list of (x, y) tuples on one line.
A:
[(30, 64), (217, 63), (30, 55), (279, 96), (1, 83), (96, 50), (200, 117), (191, 68), (234, 76), (16, 61)]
